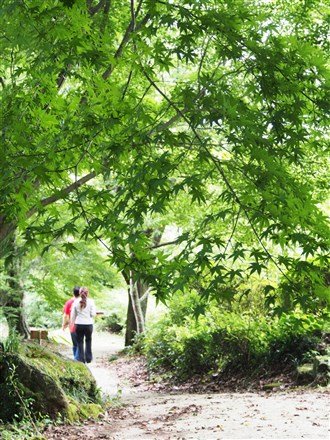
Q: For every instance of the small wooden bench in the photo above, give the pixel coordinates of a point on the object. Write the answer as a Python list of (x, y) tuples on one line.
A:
[(38, 334)]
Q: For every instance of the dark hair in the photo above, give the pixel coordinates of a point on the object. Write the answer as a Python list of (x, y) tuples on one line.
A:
[(76, 290), (83, 291)]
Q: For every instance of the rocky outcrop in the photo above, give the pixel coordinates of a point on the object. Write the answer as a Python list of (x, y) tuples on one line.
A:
[(27, 388), (37, 381)]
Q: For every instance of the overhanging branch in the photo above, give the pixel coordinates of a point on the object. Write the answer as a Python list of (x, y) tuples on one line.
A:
[(62, 193)]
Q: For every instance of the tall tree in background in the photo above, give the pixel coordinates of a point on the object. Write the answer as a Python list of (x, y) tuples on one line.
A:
[(119, 108)]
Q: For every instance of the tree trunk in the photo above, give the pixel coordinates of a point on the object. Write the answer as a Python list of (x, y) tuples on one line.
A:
[(138, 298), (131, 327), (134, 295), (6, 235), (13, 298), (14, 314)]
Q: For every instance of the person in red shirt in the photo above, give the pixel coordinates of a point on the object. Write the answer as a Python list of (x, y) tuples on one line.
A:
[(66, 322)]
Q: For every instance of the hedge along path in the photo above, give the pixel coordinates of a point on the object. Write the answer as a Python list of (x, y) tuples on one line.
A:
[(150, 414)]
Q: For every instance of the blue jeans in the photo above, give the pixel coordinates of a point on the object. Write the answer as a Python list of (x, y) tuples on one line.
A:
[(84, 340), (75, 346)]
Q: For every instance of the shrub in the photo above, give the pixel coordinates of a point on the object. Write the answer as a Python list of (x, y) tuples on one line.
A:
[(292, 337), (112, 323), (41, 314), (226, 341)]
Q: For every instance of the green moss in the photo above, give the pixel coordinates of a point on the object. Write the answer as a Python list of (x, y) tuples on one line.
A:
[(306, 369), (306, 373), (90, 411), (272, 385), (83, 411), (72, 414)]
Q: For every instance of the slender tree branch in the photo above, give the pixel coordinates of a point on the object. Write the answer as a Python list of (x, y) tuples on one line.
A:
[(127, 84), (233, 230), (85, 214), (165, 124), (145, 295), (94, 9), (105, 13), (62, 193), (200, 66), (126, 38), (132, 15), (156, 246)]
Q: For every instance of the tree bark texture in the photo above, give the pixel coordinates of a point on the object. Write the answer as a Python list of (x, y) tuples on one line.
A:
[(131, 326), (137, 291), (136, 305), (13, 298)]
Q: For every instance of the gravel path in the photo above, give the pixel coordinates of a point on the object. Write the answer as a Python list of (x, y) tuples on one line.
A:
[(149, 414)]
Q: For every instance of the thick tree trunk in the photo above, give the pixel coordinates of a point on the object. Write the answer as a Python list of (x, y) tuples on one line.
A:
[(13, 298), (6, 235), (14, 314)]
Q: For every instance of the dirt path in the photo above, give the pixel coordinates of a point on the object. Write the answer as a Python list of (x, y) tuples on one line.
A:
[(151, 414)]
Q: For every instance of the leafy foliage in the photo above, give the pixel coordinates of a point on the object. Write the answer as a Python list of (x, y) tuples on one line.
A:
[(211, 114), (229, 342), (54, 275)]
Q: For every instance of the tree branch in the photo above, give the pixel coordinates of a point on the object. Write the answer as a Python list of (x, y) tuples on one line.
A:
[(62, 193), (131, 27), (94, 9), (165, 244)]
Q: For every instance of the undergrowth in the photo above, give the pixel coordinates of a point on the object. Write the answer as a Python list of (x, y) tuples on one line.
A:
[(229, 343)]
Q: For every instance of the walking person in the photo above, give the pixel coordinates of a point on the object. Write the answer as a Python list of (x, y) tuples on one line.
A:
[(67, 323), (82, 315)]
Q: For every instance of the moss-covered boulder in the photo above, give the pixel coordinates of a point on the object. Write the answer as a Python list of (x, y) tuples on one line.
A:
[(74, 377), (317, 372), (322, 364), (39, 381), (28, 388)]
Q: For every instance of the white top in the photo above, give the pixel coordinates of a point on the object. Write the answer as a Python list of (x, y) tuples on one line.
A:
[(83, 316)]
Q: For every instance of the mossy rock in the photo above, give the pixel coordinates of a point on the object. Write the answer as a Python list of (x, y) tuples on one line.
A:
[(28, 388), (77, 412), (80, 411), (43, 382), (322, 368), (72, 413), (74, 377), (90, 410)]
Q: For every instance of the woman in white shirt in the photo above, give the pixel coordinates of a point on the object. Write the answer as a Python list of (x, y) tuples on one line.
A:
[(82, 316)]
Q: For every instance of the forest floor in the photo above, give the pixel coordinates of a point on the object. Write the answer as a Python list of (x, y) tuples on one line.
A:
[(144, 410)]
